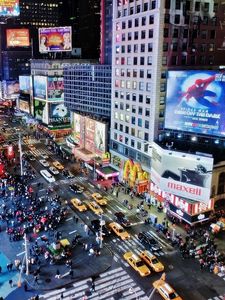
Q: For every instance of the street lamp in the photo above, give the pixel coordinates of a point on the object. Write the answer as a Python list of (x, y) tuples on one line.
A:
[(21, 155), (102, 222)]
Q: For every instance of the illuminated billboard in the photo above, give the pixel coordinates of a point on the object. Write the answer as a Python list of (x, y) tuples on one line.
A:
[(40, 86), (17, 37), (55, 89), (9, 8), (182, 174), (55, 39), (41, 111), (100, 137), (78, 129), (24, 84), (58, 114), (11, 88), (195, 102), (24, 106)]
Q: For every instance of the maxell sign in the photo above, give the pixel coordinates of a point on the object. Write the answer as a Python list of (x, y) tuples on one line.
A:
[(182, 174)]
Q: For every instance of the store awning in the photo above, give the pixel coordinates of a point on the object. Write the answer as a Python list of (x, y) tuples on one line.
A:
[(107, 172)]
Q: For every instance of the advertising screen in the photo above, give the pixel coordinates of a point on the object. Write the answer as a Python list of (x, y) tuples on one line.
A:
[(58, 114), (100, 137), (40, 86), (12, 88), (55, 89), (196, 101), (78, 129), (9, 8), (24, 106), (55, 39), (41, 111), (17, 37), (182, 174), (90, 134), (24, 84)]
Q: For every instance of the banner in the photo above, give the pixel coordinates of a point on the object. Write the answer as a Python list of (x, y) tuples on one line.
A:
[(40, 86), (17, 37), (25, 84), (55, 89), (24, 106), (55, 39), (100, 137), (195, 102), (9, 8), (41, 111)]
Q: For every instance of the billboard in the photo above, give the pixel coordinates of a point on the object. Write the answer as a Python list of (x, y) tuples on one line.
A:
[(55, 89), (24, 106), (100, 137), (40, 86), (41, 111), (11, 88), (195, 102), (24, 82), (58, 114), (55, 39), (19, 37), (90, 134), (182, 174), (78, 129), (9, 8)]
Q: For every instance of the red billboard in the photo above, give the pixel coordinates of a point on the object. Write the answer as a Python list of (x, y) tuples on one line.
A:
[(19, 37)]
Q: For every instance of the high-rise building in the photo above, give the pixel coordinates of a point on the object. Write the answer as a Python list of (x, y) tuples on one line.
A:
[(150, 37)]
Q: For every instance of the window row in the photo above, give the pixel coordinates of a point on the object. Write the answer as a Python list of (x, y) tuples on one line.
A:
[(175, 60), (130, 108), (185, 33), (134, 9), (184, 47), (146, 47), (134, 60), (129, 141), (133, 96), (129, 84), (133, 73), (135, 22)]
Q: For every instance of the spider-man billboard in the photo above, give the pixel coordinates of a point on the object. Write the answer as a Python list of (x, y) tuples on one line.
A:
[(196, 101)]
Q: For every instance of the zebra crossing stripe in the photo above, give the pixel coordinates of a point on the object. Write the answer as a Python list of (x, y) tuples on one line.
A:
[(53, 293), (111, 272)]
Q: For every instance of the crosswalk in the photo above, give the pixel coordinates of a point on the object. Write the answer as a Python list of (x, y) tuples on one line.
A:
[(37, 152), (221, 275), (108, 286), (222, 297)]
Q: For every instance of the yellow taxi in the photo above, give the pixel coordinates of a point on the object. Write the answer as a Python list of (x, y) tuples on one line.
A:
[(95, 208), (58, 165), (165, 290), (99, 199), (119, 230), (137, 264), (77, 203), (151, 261)]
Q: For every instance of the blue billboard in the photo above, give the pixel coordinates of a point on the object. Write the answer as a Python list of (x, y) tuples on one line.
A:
[(195, 102), (40, 87), (24, 84)]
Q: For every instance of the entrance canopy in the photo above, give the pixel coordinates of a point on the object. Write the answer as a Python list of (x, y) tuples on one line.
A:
[(107, 172)]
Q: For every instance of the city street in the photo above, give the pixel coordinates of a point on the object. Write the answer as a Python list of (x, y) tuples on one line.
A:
[(114, 278)]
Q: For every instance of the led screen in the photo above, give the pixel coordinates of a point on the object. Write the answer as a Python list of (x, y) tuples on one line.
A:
[(55, 39), (55, 89), (24, 84), (40, 86), (182, 174), (41, 111), (195, 102), (17, 37), (9, 8)]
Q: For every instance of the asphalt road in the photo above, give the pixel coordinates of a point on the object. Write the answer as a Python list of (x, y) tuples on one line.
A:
[(184, 275)]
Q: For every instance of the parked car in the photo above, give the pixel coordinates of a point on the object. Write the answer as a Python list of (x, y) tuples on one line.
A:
[(76, 188), (47, 176), (95, 225), (54, 171), (44, 163), (122, 219), (150, 242)]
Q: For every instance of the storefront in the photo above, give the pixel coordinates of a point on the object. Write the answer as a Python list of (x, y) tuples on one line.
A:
[(108, 173)]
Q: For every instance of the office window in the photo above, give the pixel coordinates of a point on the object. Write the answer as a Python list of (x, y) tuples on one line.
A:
[(175, 33), (183, 60), (131, 11), (128, 48), (142, 60), (174, 60), (116, 126), (143, 34), (127, 119), (167, 4), (126, 140), (121, 127), (136, 22), (141, 86), (141, 73), (177, 19), (140, 98), (162, 100), (133, 131), (129, 23), (149, 61), (147, 112), (129, 36), (166, 32), (197, 6), (115, 136), (206, 7), (128, 96), (129, 73), (150, 47), (123, 37), (132, 143), (134, 73), (150, 33), (203, 47), (177, 4), (145, 6), (146, 136), (140, 110), (135, 48), (149, 74), (151, 19), (134, 97), (185, 33), (146, 124), (138, 145), (127, 129), (135, 61), (175, 47), (143, 21), (138, 9), (211, 47), (167, 18), (212, 34), (164, 60), (139, 122), (122, 72), (165, 47), (123, 25)]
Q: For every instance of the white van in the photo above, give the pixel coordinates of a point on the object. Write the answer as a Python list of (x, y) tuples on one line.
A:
[(47, 176)]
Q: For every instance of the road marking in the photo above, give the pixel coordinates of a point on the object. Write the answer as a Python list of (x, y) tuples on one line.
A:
[(121, 209), (137, 223), (21, 253), (71, 232), (91, 185), (108, 210), (69, 219), (87, 217)]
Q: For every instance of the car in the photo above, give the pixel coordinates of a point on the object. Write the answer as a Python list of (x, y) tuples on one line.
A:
[(44, 156), (67, 174), (31, 147), (54, 171), (99, 199), (78, 204), (147, 240), (76, 188), (121, 219), (58, 165), (151, 261), (165, 290), (95, 208), (119, 230), (44, 163), (95, 225), (136, 263), (47, 176)]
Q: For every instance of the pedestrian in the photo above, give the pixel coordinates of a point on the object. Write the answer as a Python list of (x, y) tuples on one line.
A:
[(0, 269), (36, 297), (57, 274), (71, 273), (61, 296), (92, 287), (25, 287), (11, 283), (8, 267)]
